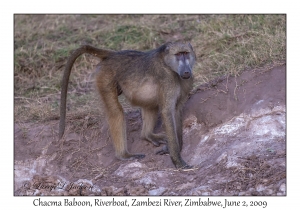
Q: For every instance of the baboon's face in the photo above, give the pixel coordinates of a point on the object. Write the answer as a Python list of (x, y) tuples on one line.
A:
[(181, 59), (184, 67)]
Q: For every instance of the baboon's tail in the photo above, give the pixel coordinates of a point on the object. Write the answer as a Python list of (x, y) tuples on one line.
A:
[(100, 53)]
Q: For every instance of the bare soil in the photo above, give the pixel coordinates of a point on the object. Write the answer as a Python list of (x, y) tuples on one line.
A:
[(234, 136)]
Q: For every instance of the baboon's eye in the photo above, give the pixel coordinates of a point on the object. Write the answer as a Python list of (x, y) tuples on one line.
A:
[(181, 53)]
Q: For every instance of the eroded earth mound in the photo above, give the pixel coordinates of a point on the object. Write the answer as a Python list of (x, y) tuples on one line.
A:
[(234, 136)]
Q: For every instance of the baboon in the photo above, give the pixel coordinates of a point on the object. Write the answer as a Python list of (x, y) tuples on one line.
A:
[(157, 80)]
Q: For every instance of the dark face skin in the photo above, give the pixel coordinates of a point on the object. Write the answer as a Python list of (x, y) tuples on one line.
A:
[(184, 68), (181, 59)]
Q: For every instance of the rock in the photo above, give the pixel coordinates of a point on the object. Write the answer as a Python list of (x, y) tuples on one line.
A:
[(158, 191), (282, 187), (260, 188), (153, 178), (134, 170), (269, 192)]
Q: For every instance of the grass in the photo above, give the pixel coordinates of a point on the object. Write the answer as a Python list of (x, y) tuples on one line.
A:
[(224, 44)]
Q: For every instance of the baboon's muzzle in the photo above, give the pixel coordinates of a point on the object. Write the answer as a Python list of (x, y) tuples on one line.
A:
[(186, 73)]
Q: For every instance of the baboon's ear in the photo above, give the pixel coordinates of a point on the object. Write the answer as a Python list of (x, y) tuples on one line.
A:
[(191, 46), (167, 49)]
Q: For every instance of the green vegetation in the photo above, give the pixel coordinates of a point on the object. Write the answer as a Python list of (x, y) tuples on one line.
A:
[(224, 44)]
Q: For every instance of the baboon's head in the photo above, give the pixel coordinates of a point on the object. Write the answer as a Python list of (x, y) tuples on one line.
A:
[(180, 57)]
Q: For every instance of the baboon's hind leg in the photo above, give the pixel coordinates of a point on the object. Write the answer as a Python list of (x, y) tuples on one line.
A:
[(116, 121), (149, 120)]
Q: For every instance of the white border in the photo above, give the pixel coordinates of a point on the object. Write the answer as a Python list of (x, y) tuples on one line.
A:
[(150, 7)]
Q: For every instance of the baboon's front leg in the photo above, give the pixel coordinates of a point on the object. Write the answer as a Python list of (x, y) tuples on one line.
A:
[(169, 116), (178, 123), (178, 119), (149, 119)]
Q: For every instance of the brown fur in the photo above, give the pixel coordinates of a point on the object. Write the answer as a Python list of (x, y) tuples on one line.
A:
[(157, 80)]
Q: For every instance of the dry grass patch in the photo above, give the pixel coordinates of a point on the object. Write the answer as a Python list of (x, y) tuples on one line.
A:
[(224, 44)]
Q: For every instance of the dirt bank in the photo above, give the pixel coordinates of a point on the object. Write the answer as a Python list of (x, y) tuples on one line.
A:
[(234, 136)]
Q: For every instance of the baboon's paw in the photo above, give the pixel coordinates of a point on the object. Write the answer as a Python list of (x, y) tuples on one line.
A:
[(156, 139), (129, 156), (155, 142), (163, 151), (187, 167), (138, 156)]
